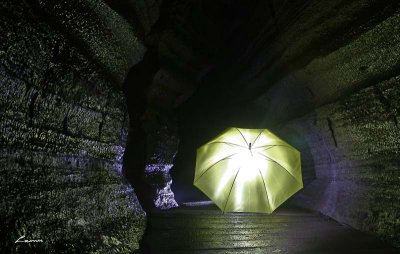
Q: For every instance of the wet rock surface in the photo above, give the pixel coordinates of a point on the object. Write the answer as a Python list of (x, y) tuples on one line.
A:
[(354, 162), (63, 128)]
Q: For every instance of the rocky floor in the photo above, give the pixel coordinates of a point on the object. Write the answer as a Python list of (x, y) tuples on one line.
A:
[(288, 230)]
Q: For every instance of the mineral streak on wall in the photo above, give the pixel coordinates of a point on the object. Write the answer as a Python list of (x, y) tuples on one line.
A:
[(63, 129)]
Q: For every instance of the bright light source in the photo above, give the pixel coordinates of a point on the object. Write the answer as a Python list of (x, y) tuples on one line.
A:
[(248, 170)]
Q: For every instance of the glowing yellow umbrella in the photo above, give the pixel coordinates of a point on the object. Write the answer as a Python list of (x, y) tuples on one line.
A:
[(248, 170)]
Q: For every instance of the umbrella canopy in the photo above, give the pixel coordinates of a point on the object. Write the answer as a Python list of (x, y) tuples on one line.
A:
[(248, 170)]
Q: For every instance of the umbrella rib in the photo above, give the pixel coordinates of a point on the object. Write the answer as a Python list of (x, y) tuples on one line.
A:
[(227, 200), (227, 143), (272, 160), (225, 158), (271, 146), (265, 187), (257, 137), (242, 136)]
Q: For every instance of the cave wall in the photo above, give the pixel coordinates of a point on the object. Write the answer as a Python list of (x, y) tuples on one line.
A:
[(340, 107), (354, 144), (63, 128)]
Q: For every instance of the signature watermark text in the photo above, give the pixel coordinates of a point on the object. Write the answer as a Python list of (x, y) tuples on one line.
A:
[(23, 240)]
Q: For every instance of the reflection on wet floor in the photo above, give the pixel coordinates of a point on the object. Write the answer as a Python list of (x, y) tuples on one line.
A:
[(205, 229)]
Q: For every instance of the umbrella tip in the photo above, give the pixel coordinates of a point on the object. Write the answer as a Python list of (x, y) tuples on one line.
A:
[(250, 146)]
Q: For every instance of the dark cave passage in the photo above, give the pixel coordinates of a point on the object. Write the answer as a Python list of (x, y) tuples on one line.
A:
[(104, 103)]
